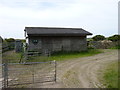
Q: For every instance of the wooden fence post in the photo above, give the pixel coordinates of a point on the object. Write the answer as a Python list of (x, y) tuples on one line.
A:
[(55, 70), (5, 75)]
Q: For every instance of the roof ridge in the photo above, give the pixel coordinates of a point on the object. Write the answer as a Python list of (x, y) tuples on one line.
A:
[(53, 28)]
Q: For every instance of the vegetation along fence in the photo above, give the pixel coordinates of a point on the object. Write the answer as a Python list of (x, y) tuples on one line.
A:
[(28, 74)]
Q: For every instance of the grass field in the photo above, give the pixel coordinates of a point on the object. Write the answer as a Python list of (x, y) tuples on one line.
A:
[(59, 56), (13, 57), (111, 75)]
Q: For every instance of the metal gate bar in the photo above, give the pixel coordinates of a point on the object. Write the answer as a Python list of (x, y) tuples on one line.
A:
[(33, 72)]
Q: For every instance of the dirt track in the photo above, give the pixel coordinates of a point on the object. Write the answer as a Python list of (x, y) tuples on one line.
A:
[(81, 72)]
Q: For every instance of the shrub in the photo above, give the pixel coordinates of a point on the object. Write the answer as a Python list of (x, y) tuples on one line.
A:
[(114, 38), (10, 40), (98, 37), (115, 47)]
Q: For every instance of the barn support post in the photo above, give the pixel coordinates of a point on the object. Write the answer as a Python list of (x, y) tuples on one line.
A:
[(33, 75)]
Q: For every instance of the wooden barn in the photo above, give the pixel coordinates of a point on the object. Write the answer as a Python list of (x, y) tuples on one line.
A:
[(53, 39)]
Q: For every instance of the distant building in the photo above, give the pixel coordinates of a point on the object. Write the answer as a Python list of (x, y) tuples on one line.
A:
[(53, 39)]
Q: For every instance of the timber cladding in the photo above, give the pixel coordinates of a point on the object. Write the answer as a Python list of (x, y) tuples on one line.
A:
[(58, 44)]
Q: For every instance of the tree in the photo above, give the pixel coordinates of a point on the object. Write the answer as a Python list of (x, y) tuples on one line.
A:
[(114, 38), (98, 37), (10, 43), (10, 40)]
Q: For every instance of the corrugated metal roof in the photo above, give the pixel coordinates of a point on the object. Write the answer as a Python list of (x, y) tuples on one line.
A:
[(56, 31)]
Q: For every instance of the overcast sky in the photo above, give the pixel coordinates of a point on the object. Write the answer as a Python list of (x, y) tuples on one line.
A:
[(95, 16)]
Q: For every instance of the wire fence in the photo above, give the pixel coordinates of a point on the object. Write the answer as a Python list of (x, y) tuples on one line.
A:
[(28, 74)]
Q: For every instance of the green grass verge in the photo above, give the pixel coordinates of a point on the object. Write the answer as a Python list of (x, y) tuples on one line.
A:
[(59, 56), (116, 47), (111, 75)]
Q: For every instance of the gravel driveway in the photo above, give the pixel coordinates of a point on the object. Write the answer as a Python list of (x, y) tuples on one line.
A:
[(81, 72)]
